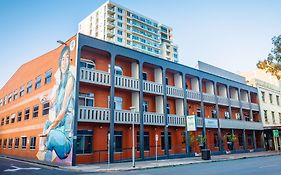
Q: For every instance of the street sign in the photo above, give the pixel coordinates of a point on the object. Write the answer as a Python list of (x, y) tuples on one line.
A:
[(275, 133), (156, 137), (190, 123)]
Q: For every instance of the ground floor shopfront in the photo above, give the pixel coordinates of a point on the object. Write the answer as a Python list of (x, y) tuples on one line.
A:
[(92, 142), (271, 142)]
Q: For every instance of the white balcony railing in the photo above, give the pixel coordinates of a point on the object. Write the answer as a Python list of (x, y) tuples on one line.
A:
[(234, 103), (152, 87), (90, 114), (222, 100), (174, 91), (255, 106), (240, 124), (126, 117), (209, 98), (193, 95), (150, 118), (175, 120), (126, 82), (245, 104), (94, 76)]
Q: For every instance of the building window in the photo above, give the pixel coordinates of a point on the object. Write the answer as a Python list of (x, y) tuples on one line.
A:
[(23, 142), (0, 143), (10, 98), (265, 116), (7, 120), (10, 143), (1, 102), (277, 100), (226, 115), (118, 141), (120, 10), (46, 107), (86, 99), (35, 111), (38, 82), (238, 116), (32, 143), (216, 140), (168, 108), (84, 142), (263, 96), (29, 87), (145, 106), (120, 17), (13, 118), (120, 24), (119, 39), (19, 116), (167, 81), (17, 143), (48, 76), (214, 113), (87, 63), (144, 76), (119, 32), (198, 112), (2, 121), (240, 139), (273, 117), (21, 91), (15, 94), (5, 143), (279, 117), (5, 100), (26, 114), (163, 141), (270, 98), (145, 141), (117, 69)]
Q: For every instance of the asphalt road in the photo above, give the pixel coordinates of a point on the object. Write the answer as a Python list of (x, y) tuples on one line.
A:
[(252, 166)]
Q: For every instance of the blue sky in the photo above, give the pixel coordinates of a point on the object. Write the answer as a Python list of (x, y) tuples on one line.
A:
[(232, 34)]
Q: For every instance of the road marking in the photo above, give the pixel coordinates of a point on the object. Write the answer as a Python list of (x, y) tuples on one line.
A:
[(268, 166), (18, 168)]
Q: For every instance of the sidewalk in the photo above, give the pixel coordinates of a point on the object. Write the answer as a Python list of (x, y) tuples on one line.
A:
[(164, 163)]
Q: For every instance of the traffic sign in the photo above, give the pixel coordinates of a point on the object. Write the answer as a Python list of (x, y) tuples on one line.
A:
[(275, 133)]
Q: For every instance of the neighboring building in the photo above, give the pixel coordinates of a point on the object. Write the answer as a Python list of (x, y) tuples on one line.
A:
[(114, 23), (269, 98), (79, 93)]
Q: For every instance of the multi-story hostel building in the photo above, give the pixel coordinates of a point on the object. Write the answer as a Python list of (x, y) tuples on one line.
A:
[(78, 103), (117, 24), (269, 98)]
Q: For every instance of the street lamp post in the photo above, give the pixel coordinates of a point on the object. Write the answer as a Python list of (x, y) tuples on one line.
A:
[(133, 108)]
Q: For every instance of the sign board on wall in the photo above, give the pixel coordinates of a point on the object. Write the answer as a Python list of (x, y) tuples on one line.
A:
[(191, 123), (211, 123)]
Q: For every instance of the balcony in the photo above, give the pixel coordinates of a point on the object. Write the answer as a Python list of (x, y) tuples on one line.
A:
[(110, 33), (175, 120), (111, 10), (103, 78), (110, 17), (209, 98), (193, 95), (245, 105), (126, 117), (240, 124), (255, 106), (91, 114), (94, 76), (173, 91), (126, 82), (234, 103), (152, 87), (222, 101), (110, 25), (151, 118)]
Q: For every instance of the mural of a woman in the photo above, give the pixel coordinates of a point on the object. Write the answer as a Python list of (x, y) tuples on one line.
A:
[(57, 133)]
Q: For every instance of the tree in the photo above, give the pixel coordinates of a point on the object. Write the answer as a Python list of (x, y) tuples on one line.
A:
[(273, 62)]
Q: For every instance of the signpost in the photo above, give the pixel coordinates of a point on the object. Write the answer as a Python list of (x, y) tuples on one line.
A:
[(276, 138), (156, 140)]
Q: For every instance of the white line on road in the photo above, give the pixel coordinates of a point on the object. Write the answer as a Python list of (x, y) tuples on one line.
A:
[(269, 166), (18, 168)]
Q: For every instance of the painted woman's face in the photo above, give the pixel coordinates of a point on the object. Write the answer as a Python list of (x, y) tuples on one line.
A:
[(64, 62)]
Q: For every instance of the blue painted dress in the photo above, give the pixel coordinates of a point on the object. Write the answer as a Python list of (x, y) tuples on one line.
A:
[(59, 138)]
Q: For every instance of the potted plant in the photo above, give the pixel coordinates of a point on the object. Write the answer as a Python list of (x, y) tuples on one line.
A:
[(200, 139), (230, 138)]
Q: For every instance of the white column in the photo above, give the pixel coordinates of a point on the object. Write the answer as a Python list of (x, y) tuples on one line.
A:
[(222, 91), (179, 107), (178, 80), (135, 70), (159, 104), (136, 100), (158, 75), (195, 84), (210, 87)]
